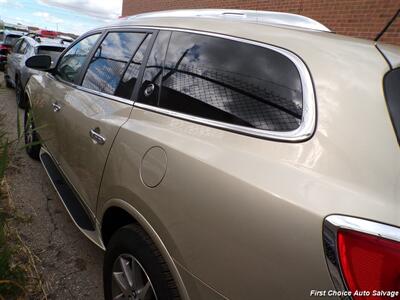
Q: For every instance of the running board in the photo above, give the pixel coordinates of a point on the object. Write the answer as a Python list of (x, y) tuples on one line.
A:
[(66, 194)]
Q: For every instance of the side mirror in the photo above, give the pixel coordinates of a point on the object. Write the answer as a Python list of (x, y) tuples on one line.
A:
[(39, 62)]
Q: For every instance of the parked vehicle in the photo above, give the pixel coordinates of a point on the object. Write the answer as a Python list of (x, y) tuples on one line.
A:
[(65, 39), (7, 41), (17, 74), (46, 33), (218, 154)]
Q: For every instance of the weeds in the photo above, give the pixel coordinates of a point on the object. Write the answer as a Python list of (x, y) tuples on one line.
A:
[(12, 275), (19, 276)]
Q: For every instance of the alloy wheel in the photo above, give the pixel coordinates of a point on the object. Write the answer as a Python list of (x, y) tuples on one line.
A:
[(130, 280)]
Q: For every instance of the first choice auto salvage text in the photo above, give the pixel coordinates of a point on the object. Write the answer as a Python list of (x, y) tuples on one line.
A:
[(373, 293)]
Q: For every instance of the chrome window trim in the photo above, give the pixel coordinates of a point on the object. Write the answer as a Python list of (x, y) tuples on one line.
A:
[(104, 95), (308, 122), (332, 224), (100, 94)]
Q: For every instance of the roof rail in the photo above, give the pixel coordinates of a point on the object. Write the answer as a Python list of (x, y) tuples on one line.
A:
[(253, 16)]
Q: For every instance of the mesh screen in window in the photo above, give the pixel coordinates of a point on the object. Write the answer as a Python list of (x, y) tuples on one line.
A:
[(108, 63), (232, 82)]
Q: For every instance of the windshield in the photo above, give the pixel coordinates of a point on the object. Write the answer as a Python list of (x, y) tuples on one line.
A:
[(11, 39), (53, 52)]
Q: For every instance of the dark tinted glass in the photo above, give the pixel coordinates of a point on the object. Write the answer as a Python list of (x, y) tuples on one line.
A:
[(16, 46), (23, 47), (53, 52), (232, 82), (392, 93), (108, 64), (127, 84), (72, 62), (150, 86), (11, 39)]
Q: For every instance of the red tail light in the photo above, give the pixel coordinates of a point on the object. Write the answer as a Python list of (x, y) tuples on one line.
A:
[(363, 257), (4, 50), (369, 264)]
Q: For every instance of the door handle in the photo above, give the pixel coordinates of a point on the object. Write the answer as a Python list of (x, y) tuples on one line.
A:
[(96, 137), (56, 107)]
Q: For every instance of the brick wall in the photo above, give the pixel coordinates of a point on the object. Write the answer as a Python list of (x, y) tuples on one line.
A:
[(359, 18)]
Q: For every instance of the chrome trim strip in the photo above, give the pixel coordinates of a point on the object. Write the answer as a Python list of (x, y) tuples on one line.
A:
[(256, 16), (332, 224), (104, 95), (365, 226), (93, 92), (308, 122)]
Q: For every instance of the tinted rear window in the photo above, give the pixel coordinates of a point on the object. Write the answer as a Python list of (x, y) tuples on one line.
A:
[(392, 93), (232, 82), (53, 52), (11, 39), (49, 50)]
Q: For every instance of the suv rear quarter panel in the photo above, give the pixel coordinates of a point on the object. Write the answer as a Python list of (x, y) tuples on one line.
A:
[(245, 215), (226, 205)]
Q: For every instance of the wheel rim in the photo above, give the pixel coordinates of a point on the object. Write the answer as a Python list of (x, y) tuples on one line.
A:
[(130, 280)]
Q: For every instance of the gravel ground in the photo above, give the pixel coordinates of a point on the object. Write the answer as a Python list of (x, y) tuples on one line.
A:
[(71, 265)]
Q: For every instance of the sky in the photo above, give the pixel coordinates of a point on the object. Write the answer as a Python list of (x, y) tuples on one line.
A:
[(73, 16)]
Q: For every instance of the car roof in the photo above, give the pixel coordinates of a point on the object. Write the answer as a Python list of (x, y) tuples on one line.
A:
[(45, 42), (241, 16), (14, 32), (262, 26), (286, 34), (311, 45)]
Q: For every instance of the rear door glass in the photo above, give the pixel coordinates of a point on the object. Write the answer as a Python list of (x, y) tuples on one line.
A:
[(110, 61), (128, 82), (151, 81)]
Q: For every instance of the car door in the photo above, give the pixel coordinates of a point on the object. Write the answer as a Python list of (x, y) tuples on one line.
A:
[(12, 59), (90, 115), (54, 87)]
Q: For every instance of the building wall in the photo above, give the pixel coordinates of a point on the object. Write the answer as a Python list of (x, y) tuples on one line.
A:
[(359, 18)]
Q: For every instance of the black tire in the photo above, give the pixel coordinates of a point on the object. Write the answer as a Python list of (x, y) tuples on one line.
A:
[(7, 81), (31, 137), (131, 241), (19, 94)]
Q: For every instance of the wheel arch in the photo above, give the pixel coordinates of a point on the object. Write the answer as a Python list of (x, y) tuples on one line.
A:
[(123, 212)]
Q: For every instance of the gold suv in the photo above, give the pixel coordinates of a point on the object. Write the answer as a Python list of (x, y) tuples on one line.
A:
[(226, 155)]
